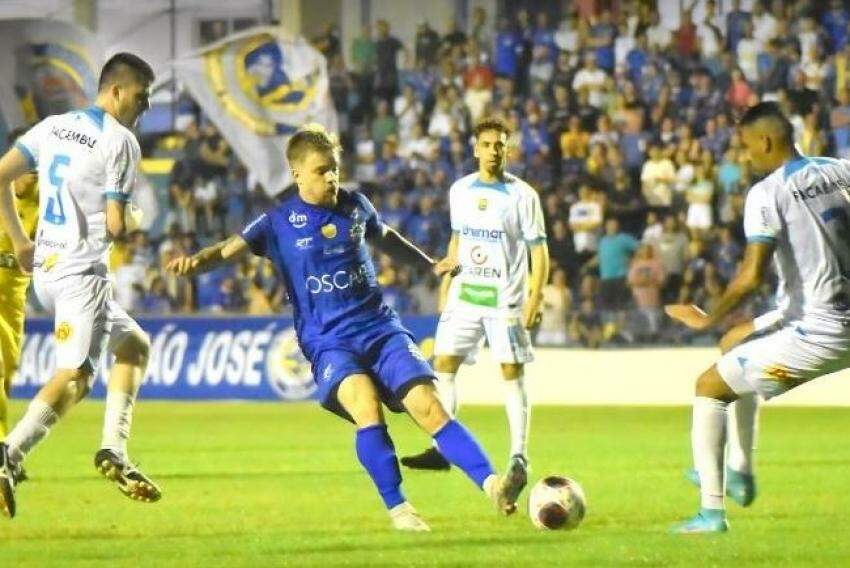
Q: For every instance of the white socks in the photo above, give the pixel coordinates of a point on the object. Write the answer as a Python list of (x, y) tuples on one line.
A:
[(741, 435), (117, 419), (30, 430), (447, 392), (516, 405), (708, 439)]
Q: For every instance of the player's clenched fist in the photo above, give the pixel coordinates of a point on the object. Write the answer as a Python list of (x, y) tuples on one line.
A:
[(531, 318), (25, 255), (183, 265), (447, 266)]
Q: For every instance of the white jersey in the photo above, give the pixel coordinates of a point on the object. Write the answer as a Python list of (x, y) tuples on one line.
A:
[(804, 209), (84, 158), (494, 223)]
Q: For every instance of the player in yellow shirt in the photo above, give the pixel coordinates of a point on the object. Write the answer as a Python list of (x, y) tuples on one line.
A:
[(13, 287)]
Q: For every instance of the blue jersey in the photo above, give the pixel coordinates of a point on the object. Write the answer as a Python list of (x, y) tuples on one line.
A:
[(327, 268)]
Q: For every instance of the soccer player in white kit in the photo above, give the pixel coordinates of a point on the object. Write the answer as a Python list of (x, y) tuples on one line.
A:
[(800, 215), (496, 221), (87, 164)]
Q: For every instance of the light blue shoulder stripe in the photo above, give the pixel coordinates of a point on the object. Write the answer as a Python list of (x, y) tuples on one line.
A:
[(96, 115), (27, 154), (795, 166)]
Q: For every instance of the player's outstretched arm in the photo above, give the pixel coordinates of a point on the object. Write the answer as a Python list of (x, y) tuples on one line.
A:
[(399, 248), (12, 165), (749, 277), (225, 251)]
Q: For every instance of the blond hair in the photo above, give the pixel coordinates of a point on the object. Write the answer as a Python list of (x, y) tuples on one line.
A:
[(311, 137)]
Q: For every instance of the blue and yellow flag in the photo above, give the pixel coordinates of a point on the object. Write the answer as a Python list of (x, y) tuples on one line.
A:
[(258, 88)]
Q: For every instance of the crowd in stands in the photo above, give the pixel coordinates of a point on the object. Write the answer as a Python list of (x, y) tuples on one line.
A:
[(626, 129)]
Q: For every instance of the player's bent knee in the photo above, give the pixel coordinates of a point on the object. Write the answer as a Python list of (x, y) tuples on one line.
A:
[(357, 395), (425, 407), (133, 350), (77, 382), (365, 412), (711, 385)]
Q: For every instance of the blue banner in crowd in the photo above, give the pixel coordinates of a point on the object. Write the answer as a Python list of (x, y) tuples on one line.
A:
[(254, 358)]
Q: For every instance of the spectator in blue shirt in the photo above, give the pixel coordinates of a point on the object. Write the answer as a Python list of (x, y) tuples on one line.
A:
[(395, 213), (602, 35), (736, 22), (637, 58), (614, 254), (228, 297), (508, 49), (839, 121), (727, 254), (544, 35), (426, 227), (836, 20), (535, 136), (155, 300)]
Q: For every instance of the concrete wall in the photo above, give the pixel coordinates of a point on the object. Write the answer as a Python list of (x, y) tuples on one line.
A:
[(625, 377)]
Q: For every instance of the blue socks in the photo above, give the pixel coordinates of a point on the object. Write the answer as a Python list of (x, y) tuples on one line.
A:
[(376, 452), (462, 450)]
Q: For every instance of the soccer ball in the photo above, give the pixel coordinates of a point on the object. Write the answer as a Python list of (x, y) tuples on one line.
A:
[(556, 503)]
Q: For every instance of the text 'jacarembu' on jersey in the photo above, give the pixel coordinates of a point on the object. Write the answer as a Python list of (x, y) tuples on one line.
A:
[(83, 157), (803, 208)]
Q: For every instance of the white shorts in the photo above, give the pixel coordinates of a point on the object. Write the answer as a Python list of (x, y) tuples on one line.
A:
[(87, 318), (459, 334), (777, 361)]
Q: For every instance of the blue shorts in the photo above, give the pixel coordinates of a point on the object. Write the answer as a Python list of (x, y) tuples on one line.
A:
[(393, 361)]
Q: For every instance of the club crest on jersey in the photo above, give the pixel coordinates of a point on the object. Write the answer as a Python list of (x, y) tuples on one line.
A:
[(777, 373), (329, 231), (49, 262), (297, 220), (482, 204), (478, 255), (358, 227), (63, 332)]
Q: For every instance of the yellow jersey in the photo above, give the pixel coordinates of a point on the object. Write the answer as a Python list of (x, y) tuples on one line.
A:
[(27, 205)]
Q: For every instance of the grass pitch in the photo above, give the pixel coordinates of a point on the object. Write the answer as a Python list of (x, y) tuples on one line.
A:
[(255, 484)]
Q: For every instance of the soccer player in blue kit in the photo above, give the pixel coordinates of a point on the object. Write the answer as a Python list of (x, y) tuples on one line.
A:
[(361, 355)]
